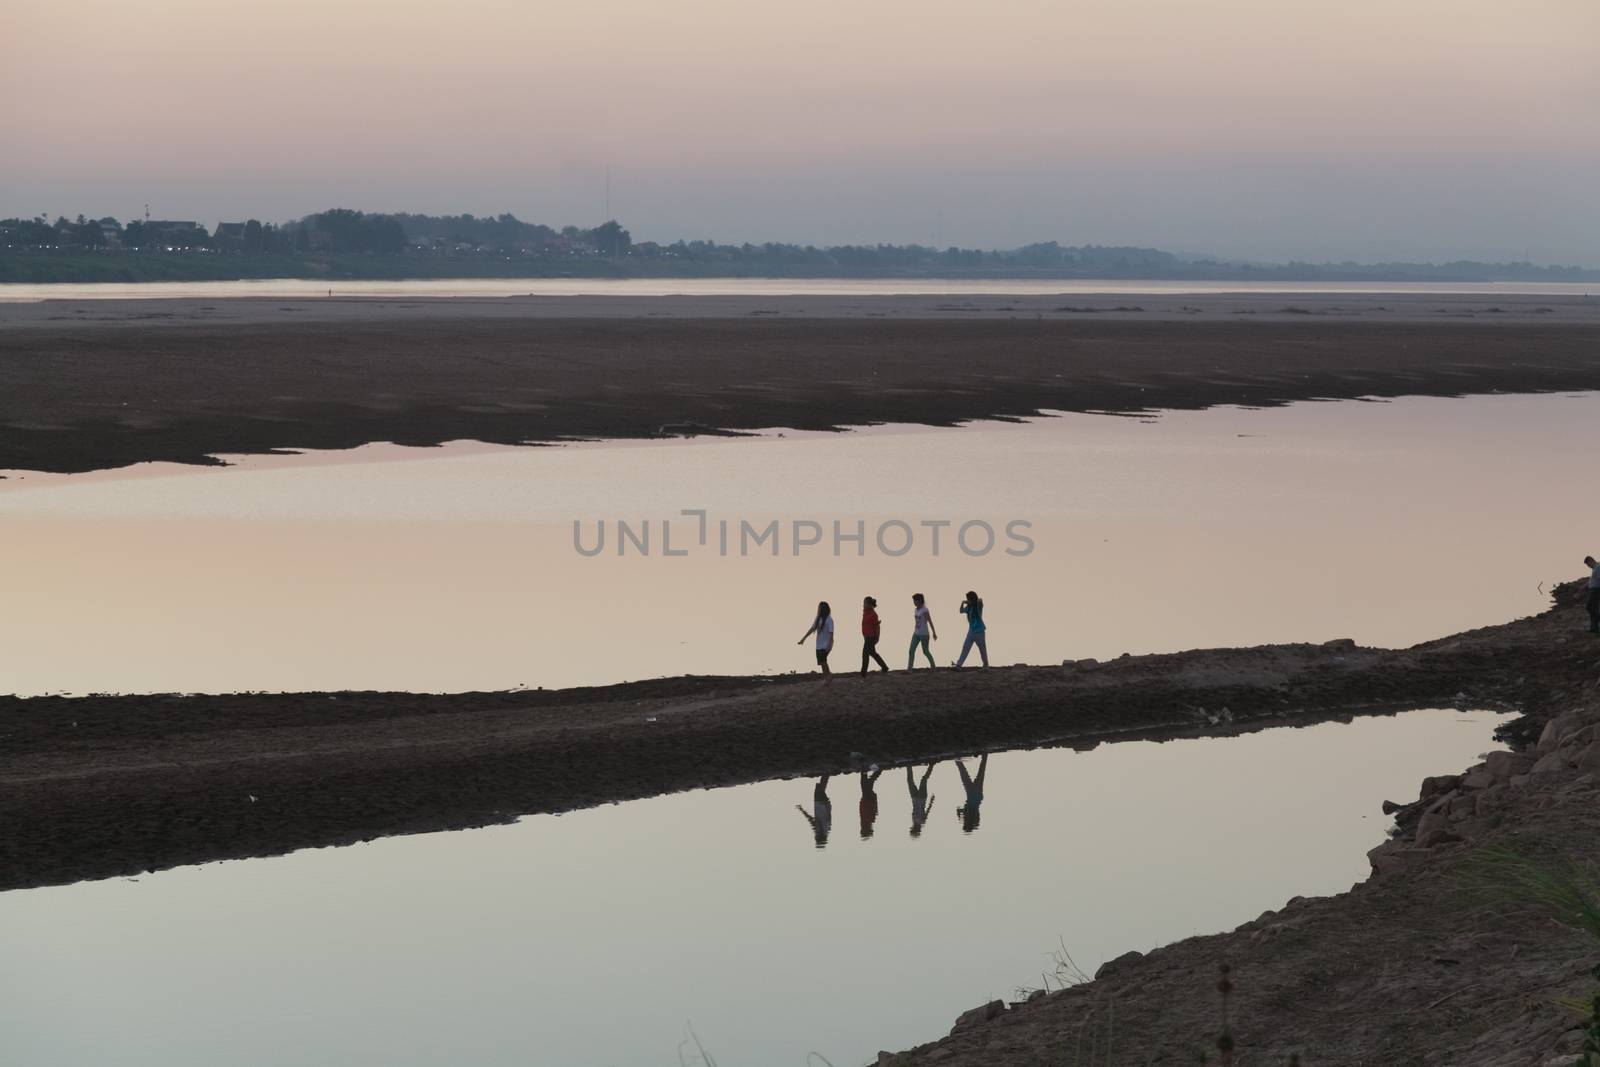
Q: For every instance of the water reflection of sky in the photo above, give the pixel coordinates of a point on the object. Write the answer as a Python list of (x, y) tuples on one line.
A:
[(592, 938), (1390, 523), (614, 287)]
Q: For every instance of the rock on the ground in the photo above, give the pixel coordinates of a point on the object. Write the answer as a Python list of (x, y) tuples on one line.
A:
[(984, 1013), (1112, 966)]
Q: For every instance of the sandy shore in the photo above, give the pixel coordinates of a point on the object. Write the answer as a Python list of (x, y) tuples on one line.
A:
[(94, 384), (1254, 306)]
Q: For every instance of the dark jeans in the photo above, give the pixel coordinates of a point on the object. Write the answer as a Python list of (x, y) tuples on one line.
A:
[(869, 651), (1594, 610)]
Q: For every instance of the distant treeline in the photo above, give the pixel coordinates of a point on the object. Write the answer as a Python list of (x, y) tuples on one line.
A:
[(349, 244)]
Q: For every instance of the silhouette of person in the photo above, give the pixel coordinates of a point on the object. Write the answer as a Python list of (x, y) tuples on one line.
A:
[(822, 821), (972, 608), (1593, 603), (822, 626), (974, 787), (870, 629), (869, 800), (921, 629), (921, 802)]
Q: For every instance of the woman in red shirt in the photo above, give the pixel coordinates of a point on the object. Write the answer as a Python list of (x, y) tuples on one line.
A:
[(869, 636)]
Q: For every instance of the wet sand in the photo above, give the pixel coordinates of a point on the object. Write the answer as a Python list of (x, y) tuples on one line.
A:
[(93, 384), (101, 786)]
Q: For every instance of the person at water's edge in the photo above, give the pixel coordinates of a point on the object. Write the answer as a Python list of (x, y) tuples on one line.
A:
[(870, 629), (972, 608), (822, 626), (922, 629), (1593, 603)]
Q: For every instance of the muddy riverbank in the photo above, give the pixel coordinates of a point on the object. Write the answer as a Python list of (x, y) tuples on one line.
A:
[(1455, 951), (90, 384)]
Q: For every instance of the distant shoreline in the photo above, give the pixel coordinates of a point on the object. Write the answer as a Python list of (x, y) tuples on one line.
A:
[(438, 289)]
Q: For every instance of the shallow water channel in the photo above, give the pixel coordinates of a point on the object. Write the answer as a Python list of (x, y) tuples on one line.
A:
[(456, 568), (598, 937)]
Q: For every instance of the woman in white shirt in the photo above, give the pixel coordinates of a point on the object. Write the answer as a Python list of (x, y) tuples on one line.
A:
[(822, 626), (922, 628)]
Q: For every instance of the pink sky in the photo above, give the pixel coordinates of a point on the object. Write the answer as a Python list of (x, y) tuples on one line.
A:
[(1362, 128)]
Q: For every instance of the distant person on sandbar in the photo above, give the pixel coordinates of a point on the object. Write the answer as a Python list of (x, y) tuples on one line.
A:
[(972, 608), (822, 626), (922, 628), (974, 787), (921, 802), (821, 815), (870, 629), (869, 799), (1593, 603)]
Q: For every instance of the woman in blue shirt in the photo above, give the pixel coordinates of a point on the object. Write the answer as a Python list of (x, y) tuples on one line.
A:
[(972, 608)]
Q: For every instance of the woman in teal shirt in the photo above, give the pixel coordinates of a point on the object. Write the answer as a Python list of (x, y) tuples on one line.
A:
[(972, 608)]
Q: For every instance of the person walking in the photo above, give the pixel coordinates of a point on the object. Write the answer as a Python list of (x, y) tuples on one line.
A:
[(922, 628), (822, 626), (1593, 603), (870, 629), (972, 608)]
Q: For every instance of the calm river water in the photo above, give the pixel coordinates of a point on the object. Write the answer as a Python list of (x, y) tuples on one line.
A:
[(597, 937), (493, 287), (456, 568), (594, 939)]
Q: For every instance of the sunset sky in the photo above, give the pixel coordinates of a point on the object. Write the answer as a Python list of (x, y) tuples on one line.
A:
[(1324, 129)]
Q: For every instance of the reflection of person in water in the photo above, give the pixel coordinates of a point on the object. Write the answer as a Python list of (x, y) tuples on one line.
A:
[(822, 821), (974, 788), (921, 802), (869, 800)]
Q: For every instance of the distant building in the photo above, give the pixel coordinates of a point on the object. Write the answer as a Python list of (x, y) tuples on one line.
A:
[(229, 236), (175, 233)]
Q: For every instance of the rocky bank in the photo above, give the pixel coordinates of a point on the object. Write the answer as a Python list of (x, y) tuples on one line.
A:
[(1450, 953)]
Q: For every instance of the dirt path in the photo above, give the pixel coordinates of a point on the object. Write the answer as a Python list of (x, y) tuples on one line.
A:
[(99, 786)]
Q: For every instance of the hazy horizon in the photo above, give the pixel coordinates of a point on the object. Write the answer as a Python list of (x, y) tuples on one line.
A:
[(1321, 131)]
